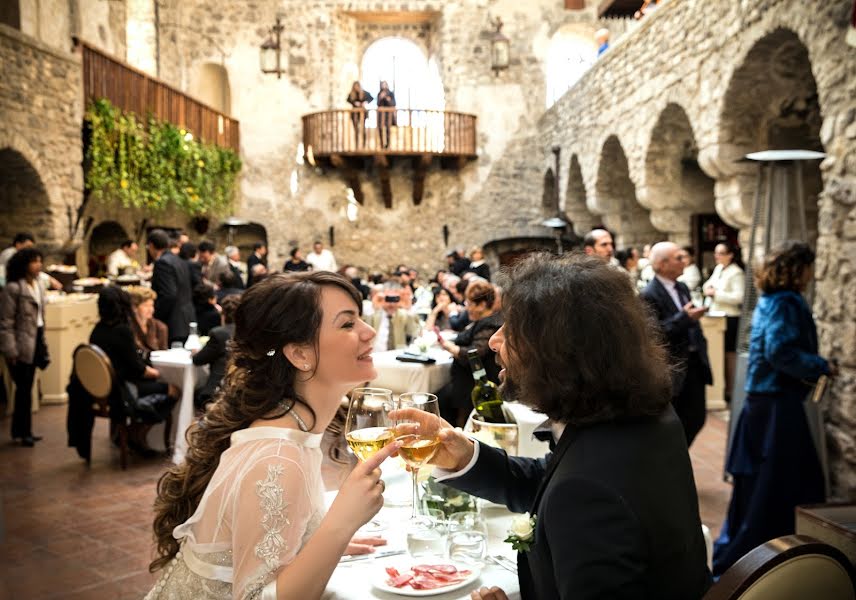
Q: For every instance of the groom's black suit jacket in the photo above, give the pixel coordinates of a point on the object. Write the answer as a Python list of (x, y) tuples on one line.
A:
[(617, 512)]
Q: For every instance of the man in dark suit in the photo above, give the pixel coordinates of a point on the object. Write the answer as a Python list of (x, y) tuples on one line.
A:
[(672, 306), (258, 257), (216, 352), (615, 505), (171, 282)]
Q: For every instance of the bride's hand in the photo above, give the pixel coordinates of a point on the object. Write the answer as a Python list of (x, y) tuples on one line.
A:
[(364, 545), (361, 496)]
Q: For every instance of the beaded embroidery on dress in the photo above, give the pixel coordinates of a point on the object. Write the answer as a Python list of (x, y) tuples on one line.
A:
[(262, 505)]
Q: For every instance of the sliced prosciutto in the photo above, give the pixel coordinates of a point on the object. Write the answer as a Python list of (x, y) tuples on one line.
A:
[(426, 577)]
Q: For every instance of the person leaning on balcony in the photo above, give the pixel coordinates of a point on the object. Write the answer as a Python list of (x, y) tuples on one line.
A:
[(359, 98), (385, 119)]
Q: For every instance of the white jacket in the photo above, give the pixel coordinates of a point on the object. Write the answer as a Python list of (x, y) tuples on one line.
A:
[(729, 284)]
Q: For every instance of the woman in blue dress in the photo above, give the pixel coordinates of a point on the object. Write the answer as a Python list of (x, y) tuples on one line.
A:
[(773, 459)]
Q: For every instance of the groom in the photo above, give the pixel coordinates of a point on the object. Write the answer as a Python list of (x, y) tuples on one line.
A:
[(614, 502)]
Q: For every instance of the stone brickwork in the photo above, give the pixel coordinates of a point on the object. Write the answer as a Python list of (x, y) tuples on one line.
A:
[(40, 140)]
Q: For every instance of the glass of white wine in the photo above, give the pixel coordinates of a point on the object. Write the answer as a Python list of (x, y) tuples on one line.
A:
[(368, 429), (417, 427)]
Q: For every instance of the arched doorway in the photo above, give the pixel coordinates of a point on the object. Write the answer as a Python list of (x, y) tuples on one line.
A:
[(242, 236), (771, 103), (106, 237), (572, 52), (24, 201), (549, 199), (575, 200), (211, 85), (615, 199)]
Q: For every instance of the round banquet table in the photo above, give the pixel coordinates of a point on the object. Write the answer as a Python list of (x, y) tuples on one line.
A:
[(403, 377)]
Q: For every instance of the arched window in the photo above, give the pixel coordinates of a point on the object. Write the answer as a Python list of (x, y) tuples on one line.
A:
[(211, 86), (572, 53)]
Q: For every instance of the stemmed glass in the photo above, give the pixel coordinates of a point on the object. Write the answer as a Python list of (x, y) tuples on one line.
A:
[(417, 426), (368, 428)]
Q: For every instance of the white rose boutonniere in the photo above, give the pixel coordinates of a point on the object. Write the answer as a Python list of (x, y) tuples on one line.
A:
[(522, 532)]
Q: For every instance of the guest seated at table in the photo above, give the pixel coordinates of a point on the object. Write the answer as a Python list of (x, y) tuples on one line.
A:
[(454, 397), (154, 399), (150, 334), (230, 285), (614, 507), (395, 326), (207, 309), (442, 309), (243, 516), (296, 262), (216, 352)]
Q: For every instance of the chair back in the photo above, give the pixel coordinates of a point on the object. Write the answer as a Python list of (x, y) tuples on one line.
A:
[(794, 567), (93, 369)]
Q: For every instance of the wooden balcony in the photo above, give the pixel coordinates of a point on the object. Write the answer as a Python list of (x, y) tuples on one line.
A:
[(133, 91), (344, 139)]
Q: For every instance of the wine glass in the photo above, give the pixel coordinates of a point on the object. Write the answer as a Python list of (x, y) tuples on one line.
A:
[(368, 429), (417, 427)]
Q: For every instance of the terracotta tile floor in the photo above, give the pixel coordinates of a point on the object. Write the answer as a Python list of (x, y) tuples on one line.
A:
[(68, 531)]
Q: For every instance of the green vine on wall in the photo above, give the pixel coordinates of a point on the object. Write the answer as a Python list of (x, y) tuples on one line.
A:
[(152, 164)]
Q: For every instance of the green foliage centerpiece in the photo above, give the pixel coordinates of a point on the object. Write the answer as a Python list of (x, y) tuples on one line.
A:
[(150, 164)]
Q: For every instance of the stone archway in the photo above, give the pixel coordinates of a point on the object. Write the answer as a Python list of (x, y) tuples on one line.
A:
[(24, 200), (106, 237), (615, 199), (675, 188), (242, 236), (549, 199), (575, 200), (771, 103)]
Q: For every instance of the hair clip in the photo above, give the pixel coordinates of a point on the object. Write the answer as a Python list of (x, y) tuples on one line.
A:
[(271, 352)]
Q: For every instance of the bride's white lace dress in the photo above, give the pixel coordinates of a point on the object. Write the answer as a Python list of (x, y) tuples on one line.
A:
[(263, 503)]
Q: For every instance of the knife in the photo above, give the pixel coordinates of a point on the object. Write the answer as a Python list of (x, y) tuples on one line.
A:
[(383, 554)]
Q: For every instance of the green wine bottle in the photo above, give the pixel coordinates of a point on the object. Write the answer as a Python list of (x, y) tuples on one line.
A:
[(485, 395)]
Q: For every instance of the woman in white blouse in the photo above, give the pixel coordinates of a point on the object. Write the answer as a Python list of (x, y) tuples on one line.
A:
[(243, 516), (724, 292)]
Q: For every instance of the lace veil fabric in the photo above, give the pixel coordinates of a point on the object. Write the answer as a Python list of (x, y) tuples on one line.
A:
[(263, 503)]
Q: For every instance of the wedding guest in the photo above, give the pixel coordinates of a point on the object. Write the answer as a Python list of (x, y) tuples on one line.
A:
[(601, 38), (258, 257), (614, 505), (213, 264), (359, 99), (296, 262), (124, 259), (725, 290), (248, 500), (206, 307), (457, 264), (678, 319), (598, 242), (171, 283), (189, 253), (233, 259), (395, 326), (478, 264), (150, 334), (216, 352), (229, 285), (773, 458), (22, 335), (691, 276), (386, 118), (321, 258), (454, 397), (19, 242), (441, 310)]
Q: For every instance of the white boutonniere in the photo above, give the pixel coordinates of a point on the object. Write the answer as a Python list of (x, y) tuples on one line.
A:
[(522, 532)]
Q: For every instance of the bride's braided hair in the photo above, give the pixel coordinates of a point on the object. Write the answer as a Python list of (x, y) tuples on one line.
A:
[(280, 310)]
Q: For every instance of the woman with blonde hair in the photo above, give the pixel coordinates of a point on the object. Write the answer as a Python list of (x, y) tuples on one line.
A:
[(243, 515), (150, 334)]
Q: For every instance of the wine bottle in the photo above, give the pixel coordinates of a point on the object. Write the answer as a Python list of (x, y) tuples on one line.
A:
[(485, 395)]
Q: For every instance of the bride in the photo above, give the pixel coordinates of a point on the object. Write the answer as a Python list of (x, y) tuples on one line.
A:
[(243, 516)]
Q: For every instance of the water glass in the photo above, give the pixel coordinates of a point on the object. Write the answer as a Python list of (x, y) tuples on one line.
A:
[(467, 538), (427, 534)]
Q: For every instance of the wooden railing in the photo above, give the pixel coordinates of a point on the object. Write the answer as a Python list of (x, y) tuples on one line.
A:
[(133, 91), (389, 131)]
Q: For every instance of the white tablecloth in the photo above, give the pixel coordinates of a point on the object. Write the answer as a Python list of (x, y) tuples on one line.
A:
[(403, 377), (176, 367), (353, 581)]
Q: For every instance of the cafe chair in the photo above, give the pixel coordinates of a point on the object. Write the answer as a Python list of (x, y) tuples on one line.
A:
[(95, 373), (794, 567)]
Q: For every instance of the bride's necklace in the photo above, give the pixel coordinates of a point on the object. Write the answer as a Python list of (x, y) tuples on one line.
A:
[(300, 422)]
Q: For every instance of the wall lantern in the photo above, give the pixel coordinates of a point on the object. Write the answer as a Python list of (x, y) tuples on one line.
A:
[(499, 48), (270, 53)]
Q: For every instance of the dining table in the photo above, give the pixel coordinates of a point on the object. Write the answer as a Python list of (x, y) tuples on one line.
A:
[(401, 376), (176, 367), (357, 579)]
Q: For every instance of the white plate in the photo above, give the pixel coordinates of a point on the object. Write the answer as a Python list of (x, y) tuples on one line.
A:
[(380, 576)]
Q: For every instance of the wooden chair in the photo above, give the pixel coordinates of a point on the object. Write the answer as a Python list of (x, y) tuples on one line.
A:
[(794, 567), (95, 373)]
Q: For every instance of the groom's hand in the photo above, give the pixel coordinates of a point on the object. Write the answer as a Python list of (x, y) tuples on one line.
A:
[(455, 450), (484, 593)]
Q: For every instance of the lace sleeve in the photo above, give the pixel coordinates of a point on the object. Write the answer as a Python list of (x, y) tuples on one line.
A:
[(271, 513)]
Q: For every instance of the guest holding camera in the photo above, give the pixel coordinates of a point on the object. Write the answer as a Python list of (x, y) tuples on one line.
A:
[(395, 326)]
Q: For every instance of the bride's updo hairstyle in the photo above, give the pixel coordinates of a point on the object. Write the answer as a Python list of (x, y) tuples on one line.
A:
[(259, 384)]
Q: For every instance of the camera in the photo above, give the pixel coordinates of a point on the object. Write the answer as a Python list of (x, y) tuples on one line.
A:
[(392, 298)]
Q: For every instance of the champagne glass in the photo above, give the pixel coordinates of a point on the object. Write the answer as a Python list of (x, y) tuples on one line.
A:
[(417, 427), (368, 429)]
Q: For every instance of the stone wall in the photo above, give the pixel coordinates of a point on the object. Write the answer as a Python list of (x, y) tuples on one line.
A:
[(40, 140)]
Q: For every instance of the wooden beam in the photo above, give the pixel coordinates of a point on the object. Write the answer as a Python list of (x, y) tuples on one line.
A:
[(351, 175), (420, 167), (382, 165)]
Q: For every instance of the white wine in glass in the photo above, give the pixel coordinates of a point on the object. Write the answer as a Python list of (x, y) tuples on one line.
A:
[(417, 427), (368, 429)]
